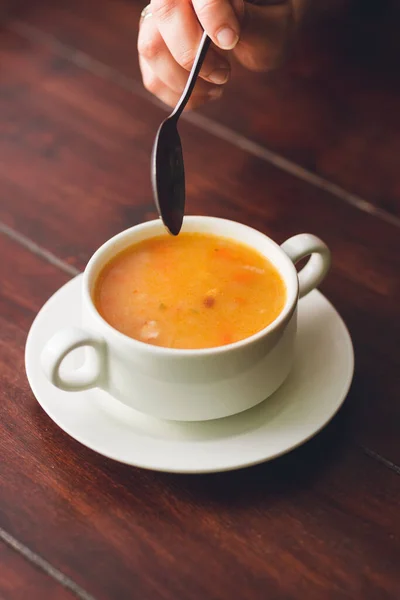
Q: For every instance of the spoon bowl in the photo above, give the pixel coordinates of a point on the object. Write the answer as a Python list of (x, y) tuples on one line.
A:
[(168, 176)]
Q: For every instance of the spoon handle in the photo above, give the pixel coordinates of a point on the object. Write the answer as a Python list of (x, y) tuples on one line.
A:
[(198, 61)]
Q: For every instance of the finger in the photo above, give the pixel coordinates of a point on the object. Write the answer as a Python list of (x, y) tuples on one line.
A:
[(181, 31), (153, 49), (168, 96), (265, 34), (219, 19)]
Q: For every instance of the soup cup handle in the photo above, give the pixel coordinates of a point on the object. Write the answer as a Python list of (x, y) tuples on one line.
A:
[(63, 343), (313, 273)]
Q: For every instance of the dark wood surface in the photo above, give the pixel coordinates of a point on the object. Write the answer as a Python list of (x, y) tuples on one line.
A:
[(20, 579), (337, 93), (76, 129)]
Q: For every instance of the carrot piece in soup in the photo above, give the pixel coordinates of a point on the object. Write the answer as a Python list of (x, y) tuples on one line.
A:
[(225, 253), (244, 277)]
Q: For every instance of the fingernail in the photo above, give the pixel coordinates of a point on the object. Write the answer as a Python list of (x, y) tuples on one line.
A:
[(219, 76), (227, 38), (215, 93)]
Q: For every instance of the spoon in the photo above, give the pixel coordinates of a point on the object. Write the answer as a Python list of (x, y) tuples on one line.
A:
[(167, 169)]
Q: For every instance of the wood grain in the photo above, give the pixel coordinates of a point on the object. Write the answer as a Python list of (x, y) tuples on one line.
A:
[(82, 146), (20, 580), (332, 107), (302, 526)]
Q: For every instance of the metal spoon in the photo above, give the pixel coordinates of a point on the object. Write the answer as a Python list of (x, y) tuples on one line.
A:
[(167, 169)]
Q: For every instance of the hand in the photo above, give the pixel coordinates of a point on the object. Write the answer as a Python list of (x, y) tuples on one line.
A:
[(170, 33)]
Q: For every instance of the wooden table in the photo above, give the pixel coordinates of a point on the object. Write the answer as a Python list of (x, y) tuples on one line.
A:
[(313, 147)]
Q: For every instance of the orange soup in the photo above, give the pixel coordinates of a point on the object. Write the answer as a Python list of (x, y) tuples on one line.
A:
[(190, 291)]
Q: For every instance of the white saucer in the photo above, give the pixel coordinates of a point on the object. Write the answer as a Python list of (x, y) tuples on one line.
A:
[(306, 402)]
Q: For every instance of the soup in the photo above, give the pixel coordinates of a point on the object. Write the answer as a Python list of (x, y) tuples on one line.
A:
[(190, 291)]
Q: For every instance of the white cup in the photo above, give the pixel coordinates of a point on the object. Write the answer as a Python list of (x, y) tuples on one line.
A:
[(188, 385)]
